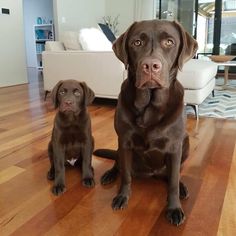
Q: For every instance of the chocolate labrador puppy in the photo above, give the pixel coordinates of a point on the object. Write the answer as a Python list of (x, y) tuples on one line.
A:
[(71, 135), (149, 119)]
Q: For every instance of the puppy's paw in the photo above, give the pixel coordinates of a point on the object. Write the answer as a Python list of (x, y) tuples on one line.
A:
[(51, 174), (175, 216), (88, 182), (183, 191), (58, 189), (119, 202), (109, 177)]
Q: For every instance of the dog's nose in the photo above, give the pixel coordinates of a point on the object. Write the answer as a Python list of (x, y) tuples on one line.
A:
[(151, 66), (68, 102)]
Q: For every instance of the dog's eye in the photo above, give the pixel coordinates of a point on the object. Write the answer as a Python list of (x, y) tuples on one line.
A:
[(77, 93), (137, 43), (169, 43), (61, 92)]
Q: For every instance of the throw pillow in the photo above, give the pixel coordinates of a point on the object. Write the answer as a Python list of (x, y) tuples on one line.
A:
[(92, 39), (70, 40), (54, 46)]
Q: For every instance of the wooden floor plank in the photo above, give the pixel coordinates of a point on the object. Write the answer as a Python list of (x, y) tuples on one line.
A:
[(227, 224), (10, 173)]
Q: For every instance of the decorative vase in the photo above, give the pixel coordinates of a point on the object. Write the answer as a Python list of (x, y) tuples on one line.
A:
[(39, 21)]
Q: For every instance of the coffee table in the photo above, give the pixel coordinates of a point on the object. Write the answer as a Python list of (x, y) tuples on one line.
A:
[(226, 65)]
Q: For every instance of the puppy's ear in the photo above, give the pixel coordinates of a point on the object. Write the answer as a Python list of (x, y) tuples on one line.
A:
[(88, 94), (54, 94), (188, 46), (119, 46)]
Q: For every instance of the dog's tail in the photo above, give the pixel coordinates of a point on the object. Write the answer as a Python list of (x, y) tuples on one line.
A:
[(106, 153)]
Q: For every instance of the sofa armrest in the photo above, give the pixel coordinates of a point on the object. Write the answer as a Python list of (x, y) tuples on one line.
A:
[(102, 71)]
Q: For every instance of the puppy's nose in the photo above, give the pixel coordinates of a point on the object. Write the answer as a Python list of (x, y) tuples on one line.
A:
[(68, 102), (151, 66)]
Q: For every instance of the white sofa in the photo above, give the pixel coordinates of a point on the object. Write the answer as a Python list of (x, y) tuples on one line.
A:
[(85, 56), (102, 71)]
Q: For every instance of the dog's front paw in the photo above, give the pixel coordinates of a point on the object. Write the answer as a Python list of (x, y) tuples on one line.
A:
[(58, 189), (175, 216), (88, 182), (119, 202)]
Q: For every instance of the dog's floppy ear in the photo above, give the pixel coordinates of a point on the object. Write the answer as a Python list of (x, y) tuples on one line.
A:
[(188, 46), (54, 93), (119, 46), (88, 94)]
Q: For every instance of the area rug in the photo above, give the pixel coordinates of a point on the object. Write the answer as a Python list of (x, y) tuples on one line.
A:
[(222, 105)]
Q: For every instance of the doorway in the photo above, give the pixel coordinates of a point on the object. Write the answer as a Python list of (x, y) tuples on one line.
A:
[(32, 10)]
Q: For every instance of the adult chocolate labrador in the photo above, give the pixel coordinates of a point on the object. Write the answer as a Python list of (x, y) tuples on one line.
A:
[(71, 135), (149, 119)]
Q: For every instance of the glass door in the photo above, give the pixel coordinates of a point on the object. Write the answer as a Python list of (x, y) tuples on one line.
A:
[(216, 26), (181, 10), (205, 26), (168, 9), (228, 28)]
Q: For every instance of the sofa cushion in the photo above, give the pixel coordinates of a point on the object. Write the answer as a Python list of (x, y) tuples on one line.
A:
[(92, 39), (70, 40), (197, 96), (197, 73), (54, 46)]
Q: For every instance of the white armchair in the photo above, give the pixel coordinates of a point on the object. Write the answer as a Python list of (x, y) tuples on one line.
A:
[(198, 80)]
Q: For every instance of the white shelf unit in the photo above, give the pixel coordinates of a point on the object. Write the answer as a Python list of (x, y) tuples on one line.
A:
[(43, 33)]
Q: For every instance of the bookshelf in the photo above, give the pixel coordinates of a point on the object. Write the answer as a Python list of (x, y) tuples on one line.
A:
[(43, 33)]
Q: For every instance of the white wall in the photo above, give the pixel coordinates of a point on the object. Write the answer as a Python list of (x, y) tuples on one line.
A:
[(76, 14), (72, 15), (126, 11), (12, 45), (145, 9), (130, 11), (32, 10)]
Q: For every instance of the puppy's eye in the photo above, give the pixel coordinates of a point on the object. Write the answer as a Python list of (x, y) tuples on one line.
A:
[(168, 43), (137, 43), (77, 93), (62, 92)]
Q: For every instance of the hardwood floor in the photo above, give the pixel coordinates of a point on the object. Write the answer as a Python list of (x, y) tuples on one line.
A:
[(27, 206)]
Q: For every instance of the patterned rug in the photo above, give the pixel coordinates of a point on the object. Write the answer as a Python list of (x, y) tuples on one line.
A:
[(223, 105)]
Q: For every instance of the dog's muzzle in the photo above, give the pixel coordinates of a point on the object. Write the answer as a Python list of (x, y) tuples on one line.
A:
[(67, 106), (150, 74)]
